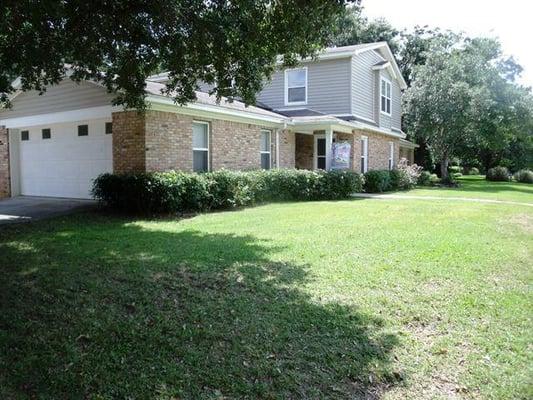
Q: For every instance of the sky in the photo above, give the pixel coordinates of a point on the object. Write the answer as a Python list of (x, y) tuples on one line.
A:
[(510, 20)]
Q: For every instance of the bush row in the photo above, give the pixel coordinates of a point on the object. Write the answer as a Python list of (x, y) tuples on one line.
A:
[(174, 192), (384, 180), (502, 174)]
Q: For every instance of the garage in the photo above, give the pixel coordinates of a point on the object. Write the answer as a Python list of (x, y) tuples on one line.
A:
[(61, 160), (59, 140)]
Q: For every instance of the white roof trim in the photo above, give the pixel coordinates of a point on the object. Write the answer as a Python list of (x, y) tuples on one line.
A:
[(216, 110), (390, 58), (84, 114), (382, 66)]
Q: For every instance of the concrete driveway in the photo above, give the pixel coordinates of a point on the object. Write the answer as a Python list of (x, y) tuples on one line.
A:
[(26, 208)]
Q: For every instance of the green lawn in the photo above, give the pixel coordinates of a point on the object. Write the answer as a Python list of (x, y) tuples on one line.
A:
[(478, 187), (367, 299)]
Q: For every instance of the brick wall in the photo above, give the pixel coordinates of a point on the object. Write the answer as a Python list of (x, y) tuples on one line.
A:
[(287, 144), (378, 149), (408, 154), (235, 146), (304, 151), (129, 142), (5, 184), (168, 141), (162, 141)]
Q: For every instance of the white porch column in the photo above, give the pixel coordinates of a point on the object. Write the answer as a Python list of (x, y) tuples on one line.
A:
[(277, 148), (329, 147)]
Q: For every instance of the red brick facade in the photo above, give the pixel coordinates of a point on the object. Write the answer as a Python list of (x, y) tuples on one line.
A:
[(162, 141), (5, 184), (129, 142), (378, 149), (304, 151)]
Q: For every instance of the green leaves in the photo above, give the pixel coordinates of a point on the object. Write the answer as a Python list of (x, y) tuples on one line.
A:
[(232, 45)]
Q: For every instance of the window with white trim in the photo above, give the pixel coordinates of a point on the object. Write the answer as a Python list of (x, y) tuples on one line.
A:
[(391, 155), (200, 146), (296, 86), (265, 149), (364, 154), (386, 96)]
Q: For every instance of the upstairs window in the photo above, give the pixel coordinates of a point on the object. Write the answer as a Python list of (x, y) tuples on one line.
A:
[(24, 135), (46, 133), (265, 149), (386, 96), (296, 86), (200, 146)]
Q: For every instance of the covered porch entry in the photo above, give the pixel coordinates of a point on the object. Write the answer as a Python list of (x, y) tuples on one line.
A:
[(315, 141)]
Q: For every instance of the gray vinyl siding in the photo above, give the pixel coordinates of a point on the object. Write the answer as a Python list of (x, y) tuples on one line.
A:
[(328, 85), (363, 84), (396, 105), (65, 96)]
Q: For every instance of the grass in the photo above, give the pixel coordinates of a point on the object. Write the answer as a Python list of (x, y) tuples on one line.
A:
[(351, 299), (476, 186)]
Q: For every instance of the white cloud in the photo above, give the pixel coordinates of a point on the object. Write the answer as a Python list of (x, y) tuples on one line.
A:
[(511, 21)]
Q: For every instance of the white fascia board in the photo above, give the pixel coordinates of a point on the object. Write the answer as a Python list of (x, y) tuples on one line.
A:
[(214, 111), (83, 114), (315, 124), (390, 58), (408, 144), (382, 66), (360, 125)]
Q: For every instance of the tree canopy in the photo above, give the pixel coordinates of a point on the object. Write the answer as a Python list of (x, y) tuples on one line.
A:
[(231, 44), (463, 100)]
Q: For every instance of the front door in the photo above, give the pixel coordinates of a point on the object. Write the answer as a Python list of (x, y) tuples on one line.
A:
[(320, 152)]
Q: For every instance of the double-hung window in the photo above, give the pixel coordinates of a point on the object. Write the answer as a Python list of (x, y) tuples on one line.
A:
[(364, 154), (391, 155), (296, 86), (386, 96), (200, 146), (266, 140)]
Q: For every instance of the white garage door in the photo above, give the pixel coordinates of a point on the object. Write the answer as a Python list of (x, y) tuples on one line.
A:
[(61, 160)]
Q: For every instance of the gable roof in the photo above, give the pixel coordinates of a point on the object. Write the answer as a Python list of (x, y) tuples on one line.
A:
[(354, 50)]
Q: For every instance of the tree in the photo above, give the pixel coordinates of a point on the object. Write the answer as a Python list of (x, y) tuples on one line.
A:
[(233, 45), (464, 102), (354, 28), (444, 99)]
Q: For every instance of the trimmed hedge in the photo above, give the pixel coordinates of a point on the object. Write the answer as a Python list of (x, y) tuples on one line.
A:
[(498, 174), (378, 181), (174, 192)]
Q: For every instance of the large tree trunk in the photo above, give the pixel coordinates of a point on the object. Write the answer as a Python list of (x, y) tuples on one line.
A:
[(444, 168)]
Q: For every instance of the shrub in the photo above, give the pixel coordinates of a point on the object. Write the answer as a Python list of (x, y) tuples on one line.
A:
[(377, 181), (524, 176), (424, 179), (411, 172), (498, 174), (434, 179), (471, 171), (454, 169), (400, 179), (173, 192), (456, 175)]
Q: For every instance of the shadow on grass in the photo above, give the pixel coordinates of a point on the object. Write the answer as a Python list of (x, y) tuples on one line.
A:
[(95, 307), (480, 184)]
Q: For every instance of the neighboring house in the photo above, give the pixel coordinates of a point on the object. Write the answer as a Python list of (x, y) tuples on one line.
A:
[(55, 144)]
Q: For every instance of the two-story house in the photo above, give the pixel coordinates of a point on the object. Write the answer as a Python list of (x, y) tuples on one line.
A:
[(56, 143)]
